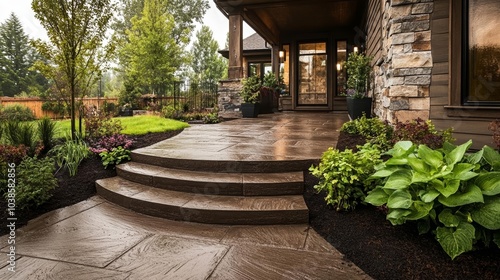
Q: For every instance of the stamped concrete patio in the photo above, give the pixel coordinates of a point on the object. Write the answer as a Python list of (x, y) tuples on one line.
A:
[(96, 239)]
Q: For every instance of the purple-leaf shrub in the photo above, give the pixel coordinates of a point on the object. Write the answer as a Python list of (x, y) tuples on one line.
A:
[(107, 143)]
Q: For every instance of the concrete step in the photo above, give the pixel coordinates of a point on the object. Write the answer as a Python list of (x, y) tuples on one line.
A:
[(201, 182), (201, 208), (209, 161)]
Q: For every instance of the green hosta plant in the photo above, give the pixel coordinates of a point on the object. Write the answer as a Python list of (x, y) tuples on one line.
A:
[(342, 173), (115, 156), (454, 194), (70, 154)]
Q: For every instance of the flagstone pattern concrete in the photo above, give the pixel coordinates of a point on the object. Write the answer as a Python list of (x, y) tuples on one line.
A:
[(245, 171), (96, 239)]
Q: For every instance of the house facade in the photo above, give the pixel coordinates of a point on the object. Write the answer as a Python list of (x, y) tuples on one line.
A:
[(433, 59)]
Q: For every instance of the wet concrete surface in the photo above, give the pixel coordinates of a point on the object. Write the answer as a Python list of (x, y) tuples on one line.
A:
[(96, 239)]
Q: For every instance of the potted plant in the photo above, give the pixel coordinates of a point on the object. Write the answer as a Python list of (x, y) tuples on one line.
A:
[(250, 94), (269, 93), (358, 83)]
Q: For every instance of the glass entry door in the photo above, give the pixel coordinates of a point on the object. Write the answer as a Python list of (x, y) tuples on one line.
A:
[(312, 74)]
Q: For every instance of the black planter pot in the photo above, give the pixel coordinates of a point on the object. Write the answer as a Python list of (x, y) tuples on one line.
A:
[(357, 106), (128, 112), (250, 110)]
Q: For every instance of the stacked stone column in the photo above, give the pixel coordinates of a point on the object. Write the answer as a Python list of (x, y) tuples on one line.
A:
[(403, 74), (229, 98)]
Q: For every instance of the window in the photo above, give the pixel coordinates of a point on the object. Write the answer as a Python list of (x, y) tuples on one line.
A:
[(340, 68), (481, 53), (259, 69)]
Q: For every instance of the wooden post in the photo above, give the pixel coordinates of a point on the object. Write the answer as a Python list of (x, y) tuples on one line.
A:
[(235, 70)]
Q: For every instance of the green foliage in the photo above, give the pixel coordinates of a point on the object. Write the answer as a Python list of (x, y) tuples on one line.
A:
[(207, 64), (421, 132), (270, 81), (58, 108), (35, 182), (16, 58), (70, 154), (454, 194), (46, 131), (342, 175), (251, 89), (141, 125), (22, 133), (358, 74), (170, 112), (77, 30), (99, 124), (374, 130), (115, 156), (17, 112)]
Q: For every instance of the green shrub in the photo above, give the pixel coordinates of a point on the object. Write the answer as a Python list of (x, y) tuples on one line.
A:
[(115, 156), (170, 112), (22, 133), (70, 154), (99, 124), (17, 113), (35, 182), (342, 174), (46, 132), (374, 130), (454, 195), (421, 132)]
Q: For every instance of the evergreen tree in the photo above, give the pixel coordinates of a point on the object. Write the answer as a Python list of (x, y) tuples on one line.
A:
[(16, 58), (207, 64)]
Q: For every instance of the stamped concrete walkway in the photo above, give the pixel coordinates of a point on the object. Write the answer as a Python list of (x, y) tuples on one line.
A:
[(96, 239)]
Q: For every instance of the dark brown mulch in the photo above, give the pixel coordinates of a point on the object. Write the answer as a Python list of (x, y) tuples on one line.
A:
[(72, 190), (365, 237), (384, 251)]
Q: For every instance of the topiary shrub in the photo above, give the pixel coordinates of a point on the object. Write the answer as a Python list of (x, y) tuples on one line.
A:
[(342, 174), (35, 182)]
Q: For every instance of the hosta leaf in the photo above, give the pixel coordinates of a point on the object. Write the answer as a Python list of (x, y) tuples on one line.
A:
[(419, 177), (492, 157), (456, 241), (430, 195), (400, 199), (457, 154), (475, 157), (431, 157), (377, 197), (385, 172), (397, 216), (401, 149), (448, 147), (462, 171), (446, 188), (418, 165), (419, 210), (488, 214), (489, 183), (449, 219), (396, 161), (399, 180), (472, 194)]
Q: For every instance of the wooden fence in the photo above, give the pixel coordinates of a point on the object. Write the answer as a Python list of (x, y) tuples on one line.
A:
[(35, 104)]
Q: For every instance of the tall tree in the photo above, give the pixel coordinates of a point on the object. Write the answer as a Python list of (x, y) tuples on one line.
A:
[(152, 52), (77, 30), (207, 64), (16, 58)]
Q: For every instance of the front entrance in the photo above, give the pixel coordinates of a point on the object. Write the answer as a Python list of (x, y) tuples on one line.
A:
[(312, 87)]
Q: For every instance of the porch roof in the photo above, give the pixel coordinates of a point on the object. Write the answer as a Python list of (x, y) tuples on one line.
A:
[(273, 18)]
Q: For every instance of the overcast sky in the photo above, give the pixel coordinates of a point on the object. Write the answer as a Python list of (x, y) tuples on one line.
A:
[(22, 8)]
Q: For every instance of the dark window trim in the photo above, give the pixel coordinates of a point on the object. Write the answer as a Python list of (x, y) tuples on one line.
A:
[(458, 68)]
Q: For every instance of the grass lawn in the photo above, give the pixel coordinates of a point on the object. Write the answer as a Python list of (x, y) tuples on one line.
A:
[(137, 125)]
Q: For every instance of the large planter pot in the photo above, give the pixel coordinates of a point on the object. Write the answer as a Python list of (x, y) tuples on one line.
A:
[(250, 110), (357, 106), (266, 98)]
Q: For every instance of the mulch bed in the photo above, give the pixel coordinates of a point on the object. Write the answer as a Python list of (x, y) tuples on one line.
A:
[(364, 236)]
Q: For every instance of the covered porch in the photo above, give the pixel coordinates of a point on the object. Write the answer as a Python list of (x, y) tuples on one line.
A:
[(310, 42)]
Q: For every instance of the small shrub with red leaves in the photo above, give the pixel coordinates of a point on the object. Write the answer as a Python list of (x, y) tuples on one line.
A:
[(495, 127), (421, 132), (108, 143)]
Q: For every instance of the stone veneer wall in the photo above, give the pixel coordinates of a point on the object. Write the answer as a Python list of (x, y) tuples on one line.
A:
[(403, 74), (229, 98)]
